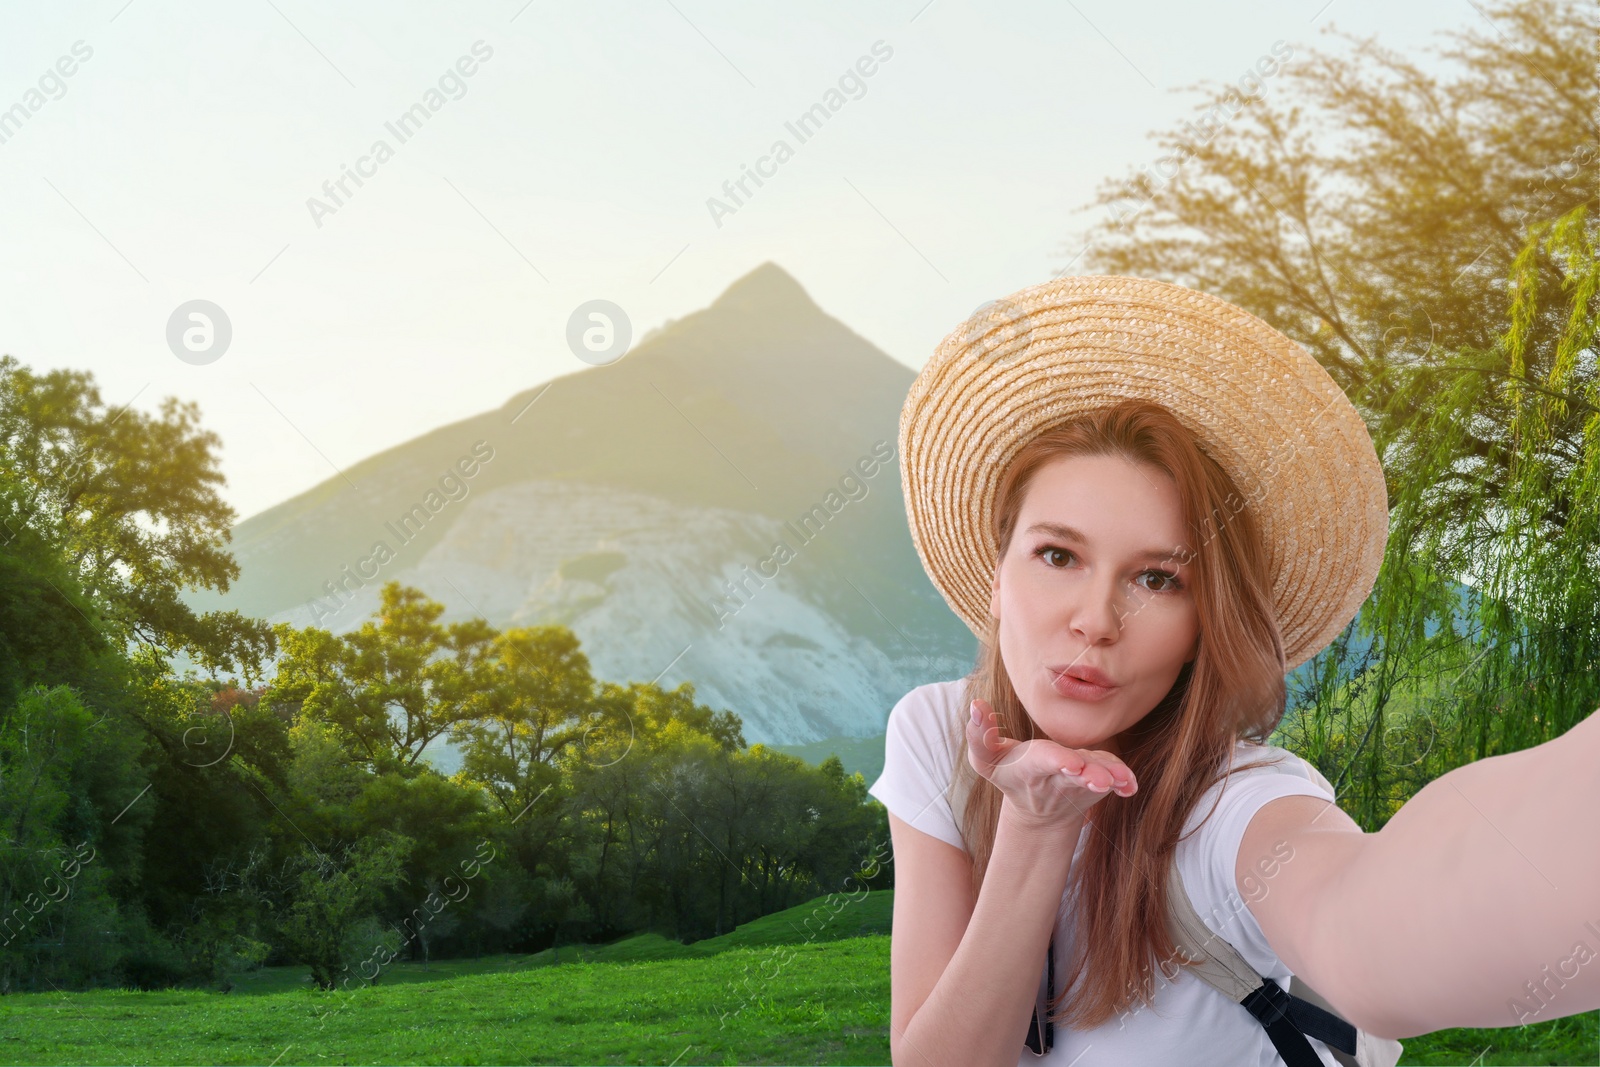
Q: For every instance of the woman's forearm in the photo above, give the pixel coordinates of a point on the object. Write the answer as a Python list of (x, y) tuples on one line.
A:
[(977, 1014), (1478, 903)]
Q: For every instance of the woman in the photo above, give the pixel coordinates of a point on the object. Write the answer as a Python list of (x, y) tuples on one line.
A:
[(1150, 506)]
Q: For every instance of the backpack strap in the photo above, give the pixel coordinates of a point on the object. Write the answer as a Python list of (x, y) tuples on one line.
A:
[(1041, 1028), (1288, 1019)]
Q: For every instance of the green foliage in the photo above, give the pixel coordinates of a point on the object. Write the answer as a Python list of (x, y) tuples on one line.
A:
[(221, 945), (692, 834), (158, 830), (368, 946), (44, 738), (1482, 629), (1367, 207), (146, 958), (390, 687), (47, 628), (623, 806), (127, 502), (508, 895), (59, 771), (333, 895), (539, 699), (443, 819), (258, 734), (321, 772)]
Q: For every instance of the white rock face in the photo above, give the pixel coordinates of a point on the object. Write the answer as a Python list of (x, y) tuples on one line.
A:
[(639, 579)]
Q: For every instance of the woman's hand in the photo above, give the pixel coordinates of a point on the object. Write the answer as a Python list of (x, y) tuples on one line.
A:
[(1047, 784)]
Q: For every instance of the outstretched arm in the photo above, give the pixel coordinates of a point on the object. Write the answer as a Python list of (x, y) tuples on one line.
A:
[(1476, 905)]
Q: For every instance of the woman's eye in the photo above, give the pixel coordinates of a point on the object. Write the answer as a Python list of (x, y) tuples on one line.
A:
[(1169, 581), (1044, 551)]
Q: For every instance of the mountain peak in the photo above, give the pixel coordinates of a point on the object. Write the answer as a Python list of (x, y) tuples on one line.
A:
[(765, 288)]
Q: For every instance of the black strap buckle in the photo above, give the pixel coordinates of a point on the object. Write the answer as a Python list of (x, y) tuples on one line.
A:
[(1040, 1044), (1289, 1020)]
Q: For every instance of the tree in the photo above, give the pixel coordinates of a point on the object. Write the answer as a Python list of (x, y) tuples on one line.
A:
[(1371, 212), (331, 894), (508, 894), (538, 701), (59, 769), (50, 631), (391, 687), (321, 774), (1457, 672), (444, 820), (609, 776), (128, 502)]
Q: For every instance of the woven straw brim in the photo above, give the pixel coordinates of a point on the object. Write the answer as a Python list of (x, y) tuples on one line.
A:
[(1258, 403)]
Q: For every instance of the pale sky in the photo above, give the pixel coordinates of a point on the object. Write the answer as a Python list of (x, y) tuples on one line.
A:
[(175, 162)]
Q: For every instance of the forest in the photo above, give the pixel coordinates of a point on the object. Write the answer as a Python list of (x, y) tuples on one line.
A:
[(162, 827)]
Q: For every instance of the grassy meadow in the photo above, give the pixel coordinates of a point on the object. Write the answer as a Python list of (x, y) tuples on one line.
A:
[(771, 992)]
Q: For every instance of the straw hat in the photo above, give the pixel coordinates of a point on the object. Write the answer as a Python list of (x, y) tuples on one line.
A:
[(1258, 403)]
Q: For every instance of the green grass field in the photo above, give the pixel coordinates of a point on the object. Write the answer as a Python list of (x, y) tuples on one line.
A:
[(771, 992)]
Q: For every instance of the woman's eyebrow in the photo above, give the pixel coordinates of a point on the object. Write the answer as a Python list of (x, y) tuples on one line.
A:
[(1070, 533)]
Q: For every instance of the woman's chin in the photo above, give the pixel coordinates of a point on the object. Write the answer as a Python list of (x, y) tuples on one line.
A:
[(1069, 725)]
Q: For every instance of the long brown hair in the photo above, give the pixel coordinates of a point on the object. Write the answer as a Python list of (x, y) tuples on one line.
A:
[(1233, 689)]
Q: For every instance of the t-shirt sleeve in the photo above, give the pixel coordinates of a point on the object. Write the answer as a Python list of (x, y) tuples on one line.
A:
[(1208, 867), (919, 754)]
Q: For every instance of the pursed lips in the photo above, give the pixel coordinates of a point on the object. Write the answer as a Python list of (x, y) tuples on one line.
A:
[(1083, 673)]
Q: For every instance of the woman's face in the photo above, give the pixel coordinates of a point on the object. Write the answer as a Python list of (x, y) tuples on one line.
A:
[(1083, 585)]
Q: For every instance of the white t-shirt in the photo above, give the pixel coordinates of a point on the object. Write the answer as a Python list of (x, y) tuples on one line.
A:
[(1189, 1023)]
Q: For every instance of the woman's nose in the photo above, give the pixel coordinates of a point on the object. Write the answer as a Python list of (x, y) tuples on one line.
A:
[(1097, 613)]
